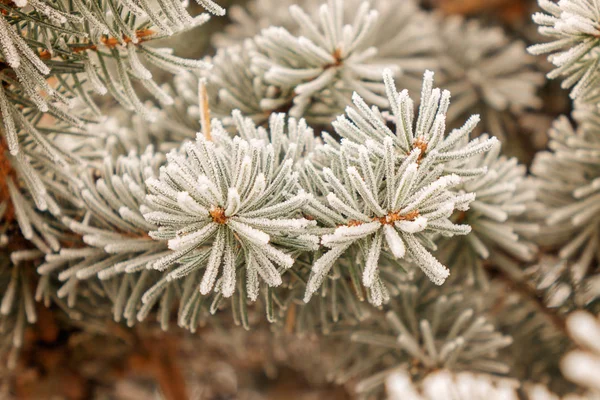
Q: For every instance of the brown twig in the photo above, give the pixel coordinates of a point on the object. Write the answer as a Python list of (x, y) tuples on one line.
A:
[(7, 173), (420, 144), (337, 55), (204, 109), (290, 320), (112, 42), (389, 219)]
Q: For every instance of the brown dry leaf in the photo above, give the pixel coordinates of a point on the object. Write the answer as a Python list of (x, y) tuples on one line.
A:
[(507, 10)]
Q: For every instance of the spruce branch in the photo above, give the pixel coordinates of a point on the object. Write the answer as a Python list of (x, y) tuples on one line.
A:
[(233, 196), (573, 27), (47, 64), (501, 234), (293, 179), (567, 192), (423, 331), (392, 186)]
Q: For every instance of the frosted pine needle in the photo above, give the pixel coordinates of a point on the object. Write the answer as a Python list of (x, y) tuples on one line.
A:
[(568, 190), (573, 27), (228, 195), (497, 216), (444, 331), (389, 188), (366, 125), (331, 59)]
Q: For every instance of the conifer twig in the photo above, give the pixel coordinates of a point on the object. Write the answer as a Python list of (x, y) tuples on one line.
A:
[(204, 109)]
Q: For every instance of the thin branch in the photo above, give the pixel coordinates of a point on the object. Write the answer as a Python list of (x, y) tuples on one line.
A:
[(204, 109)]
